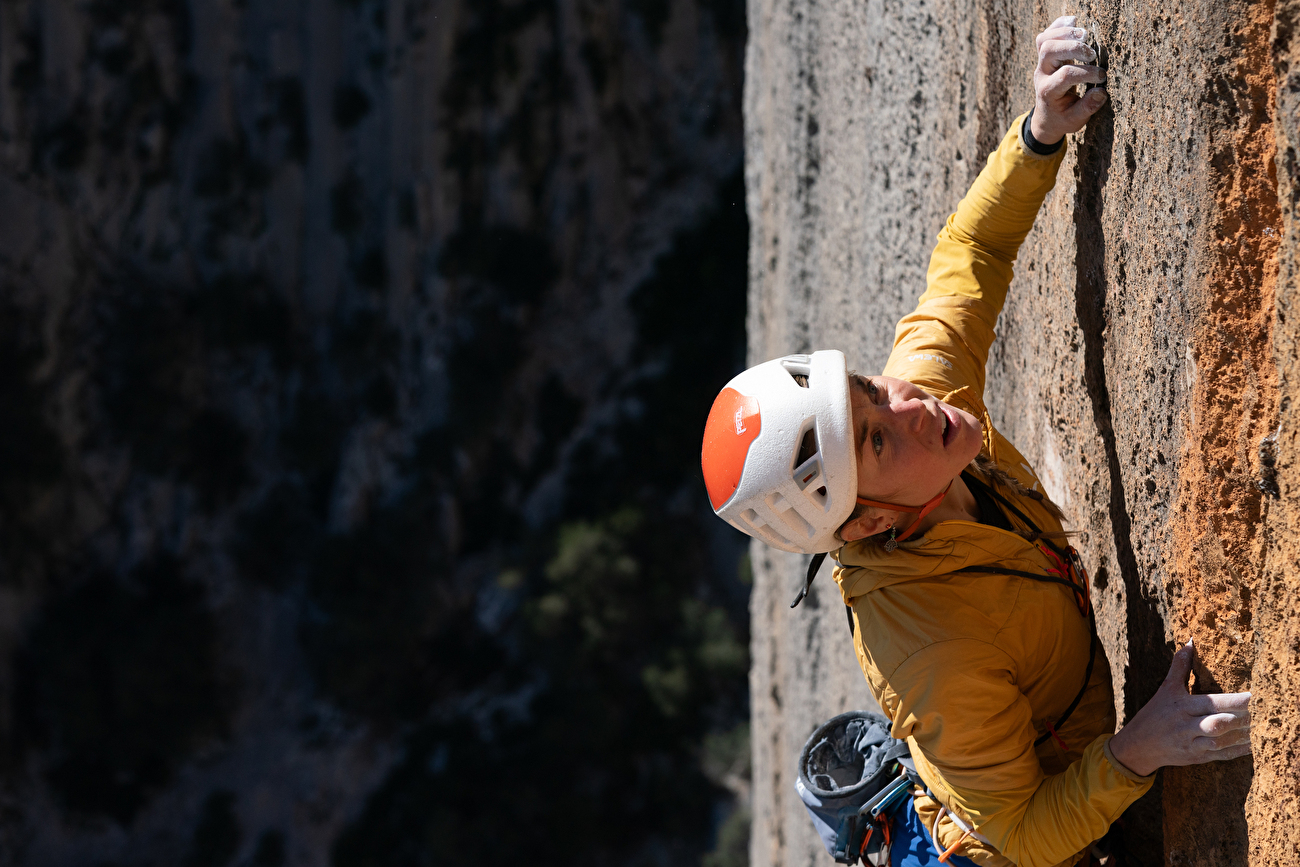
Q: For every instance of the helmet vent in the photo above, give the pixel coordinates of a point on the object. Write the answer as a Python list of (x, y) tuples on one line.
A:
[(799, 367), (819, 496), (807, 447), (808, 468), (786, 512), (760, 527)]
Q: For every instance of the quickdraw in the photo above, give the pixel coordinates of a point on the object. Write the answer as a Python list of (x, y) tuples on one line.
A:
[(875, 821), (876, 845)]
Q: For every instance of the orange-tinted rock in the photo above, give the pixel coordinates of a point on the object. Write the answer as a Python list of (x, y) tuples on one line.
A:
[(1146, 356)]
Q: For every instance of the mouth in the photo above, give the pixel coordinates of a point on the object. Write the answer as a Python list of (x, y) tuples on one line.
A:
[(948, 428)]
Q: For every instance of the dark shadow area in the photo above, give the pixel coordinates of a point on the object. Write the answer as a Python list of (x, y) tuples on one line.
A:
[(118, 682), (1142, 829), (620, 670), (390, 460)]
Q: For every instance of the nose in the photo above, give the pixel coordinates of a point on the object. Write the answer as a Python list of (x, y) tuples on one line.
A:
[(910, 414)]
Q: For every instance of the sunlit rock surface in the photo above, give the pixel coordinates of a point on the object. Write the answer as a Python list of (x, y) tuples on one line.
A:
[(1146, 361)]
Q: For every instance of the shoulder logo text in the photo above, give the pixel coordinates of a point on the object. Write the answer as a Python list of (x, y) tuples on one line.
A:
[(925, 356)]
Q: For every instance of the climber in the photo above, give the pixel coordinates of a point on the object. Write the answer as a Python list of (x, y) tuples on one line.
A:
[(970, 611)]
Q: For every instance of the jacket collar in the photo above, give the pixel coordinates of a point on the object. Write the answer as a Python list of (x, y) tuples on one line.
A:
[(864, 566)]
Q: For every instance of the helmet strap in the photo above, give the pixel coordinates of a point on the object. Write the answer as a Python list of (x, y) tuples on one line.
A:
[(920, 512)]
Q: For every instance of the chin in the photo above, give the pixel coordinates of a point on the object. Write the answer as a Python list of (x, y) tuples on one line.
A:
[(976, 435)]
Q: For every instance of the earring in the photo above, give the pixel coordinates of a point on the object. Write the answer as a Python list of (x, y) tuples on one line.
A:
[(891, 543)]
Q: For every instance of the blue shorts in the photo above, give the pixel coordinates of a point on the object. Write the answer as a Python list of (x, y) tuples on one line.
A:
[(911, 846)]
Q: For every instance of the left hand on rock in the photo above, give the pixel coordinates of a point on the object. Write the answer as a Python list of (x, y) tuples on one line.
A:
[(1178, 728)]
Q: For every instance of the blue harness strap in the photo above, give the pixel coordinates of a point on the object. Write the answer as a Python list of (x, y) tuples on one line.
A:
[(912, 846)]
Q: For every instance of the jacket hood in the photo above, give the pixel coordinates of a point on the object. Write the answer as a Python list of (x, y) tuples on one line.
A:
[(864, 566)]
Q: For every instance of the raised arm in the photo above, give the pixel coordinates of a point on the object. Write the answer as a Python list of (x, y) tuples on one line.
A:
[(944, 344)]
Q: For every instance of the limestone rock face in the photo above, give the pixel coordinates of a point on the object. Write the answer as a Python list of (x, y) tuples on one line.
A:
[(1146, 360)]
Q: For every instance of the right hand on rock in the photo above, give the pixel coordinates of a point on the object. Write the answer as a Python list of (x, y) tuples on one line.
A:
[(1178, 728), (1058, 110)]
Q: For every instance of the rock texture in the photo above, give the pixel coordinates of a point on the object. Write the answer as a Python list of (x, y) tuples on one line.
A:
[(1146, 361)]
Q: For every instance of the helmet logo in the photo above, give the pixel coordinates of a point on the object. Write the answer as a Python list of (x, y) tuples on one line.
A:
[(734, 423)]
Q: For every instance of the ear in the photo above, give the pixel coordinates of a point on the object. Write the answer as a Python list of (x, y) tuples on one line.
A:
[(868, 525)]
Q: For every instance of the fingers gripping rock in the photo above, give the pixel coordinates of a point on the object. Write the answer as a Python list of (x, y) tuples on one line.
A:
[(1181, 667), (1067, 61), (1094, 41), (1178, 728)]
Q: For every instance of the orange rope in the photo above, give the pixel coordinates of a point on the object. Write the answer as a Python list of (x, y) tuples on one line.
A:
[(947, 853)]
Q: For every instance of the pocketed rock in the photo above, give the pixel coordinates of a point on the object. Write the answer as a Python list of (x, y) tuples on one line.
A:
[(1146, 363)]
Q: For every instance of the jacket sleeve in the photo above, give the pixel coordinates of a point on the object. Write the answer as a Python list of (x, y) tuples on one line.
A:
[(943, 345), (974, 730)]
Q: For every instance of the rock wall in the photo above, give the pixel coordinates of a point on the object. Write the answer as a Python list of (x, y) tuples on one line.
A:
[(1146, 362)]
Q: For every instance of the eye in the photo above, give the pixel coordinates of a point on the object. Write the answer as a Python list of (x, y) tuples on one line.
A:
[(872, 391), (877, 442)]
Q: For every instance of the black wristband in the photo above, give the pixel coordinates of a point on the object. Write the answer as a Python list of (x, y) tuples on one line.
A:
[(1034, 144)]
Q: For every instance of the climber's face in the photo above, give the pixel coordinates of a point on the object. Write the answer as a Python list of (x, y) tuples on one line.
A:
[(910, 444)]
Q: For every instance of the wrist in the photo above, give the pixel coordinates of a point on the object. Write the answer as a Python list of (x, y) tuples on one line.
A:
[(1030, 143), (1126, 753), (1042, 135)]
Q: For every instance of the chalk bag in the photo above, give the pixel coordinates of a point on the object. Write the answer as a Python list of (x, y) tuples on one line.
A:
[(845, 769)]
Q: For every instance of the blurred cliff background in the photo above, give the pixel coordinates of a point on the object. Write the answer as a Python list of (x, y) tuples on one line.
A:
[(353, 358), (1147, 359)]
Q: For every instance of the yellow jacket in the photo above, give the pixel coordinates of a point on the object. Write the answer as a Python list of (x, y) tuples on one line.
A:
[(970, 667)]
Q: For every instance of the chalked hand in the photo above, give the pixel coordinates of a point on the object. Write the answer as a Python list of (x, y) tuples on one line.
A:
[(1178, 728), (1065, 61)]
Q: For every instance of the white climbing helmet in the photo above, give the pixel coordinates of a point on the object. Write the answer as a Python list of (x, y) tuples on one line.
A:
[(778, 458)]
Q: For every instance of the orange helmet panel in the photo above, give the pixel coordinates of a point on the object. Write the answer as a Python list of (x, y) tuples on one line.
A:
[(733, 424)]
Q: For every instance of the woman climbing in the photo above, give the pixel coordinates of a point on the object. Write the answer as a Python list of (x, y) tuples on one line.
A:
[(971, 615)]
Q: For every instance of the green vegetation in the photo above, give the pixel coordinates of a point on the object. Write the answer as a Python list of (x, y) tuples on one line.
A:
[(630, 669), (620, 683)]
